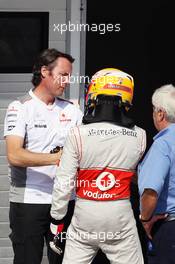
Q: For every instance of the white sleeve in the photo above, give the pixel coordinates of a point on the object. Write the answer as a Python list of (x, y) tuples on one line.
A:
[(65, 180), (143, 142), (14, 123)]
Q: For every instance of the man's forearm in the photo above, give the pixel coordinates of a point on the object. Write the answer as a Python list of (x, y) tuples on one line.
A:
[(25, 158), (148, 203)]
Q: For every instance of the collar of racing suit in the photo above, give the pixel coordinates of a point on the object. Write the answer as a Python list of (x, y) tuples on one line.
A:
[(108, 109)]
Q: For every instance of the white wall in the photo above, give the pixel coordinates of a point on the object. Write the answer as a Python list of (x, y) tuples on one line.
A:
[(13, 85)]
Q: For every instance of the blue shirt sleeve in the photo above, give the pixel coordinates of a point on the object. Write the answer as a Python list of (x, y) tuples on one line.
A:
[(154, 168)]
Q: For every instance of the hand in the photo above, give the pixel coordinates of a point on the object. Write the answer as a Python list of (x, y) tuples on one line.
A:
[(59, 228), (148, 225), (58, 242), (56, 149), (56, 154)]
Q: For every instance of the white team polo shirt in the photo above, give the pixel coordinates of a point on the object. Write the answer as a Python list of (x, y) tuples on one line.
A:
[(43, 127)]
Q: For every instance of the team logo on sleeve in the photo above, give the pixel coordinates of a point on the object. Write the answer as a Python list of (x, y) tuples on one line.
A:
[(12, 116), (10, 127), (12, 109)]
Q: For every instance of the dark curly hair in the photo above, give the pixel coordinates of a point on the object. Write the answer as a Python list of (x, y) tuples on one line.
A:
[(48, 58)]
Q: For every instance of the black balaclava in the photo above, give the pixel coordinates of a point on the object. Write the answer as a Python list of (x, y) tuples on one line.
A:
[(108, 108)]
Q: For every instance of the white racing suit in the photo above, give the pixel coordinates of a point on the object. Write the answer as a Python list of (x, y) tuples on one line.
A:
[(99, 159)]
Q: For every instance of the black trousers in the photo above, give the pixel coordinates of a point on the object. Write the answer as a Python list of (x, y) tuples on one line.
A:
[(163, 243), (30, 226)]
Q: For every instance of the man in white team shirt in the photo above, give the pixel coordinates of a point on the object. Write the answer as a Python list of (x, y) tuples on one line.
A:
[(100, 158), (34, 126)]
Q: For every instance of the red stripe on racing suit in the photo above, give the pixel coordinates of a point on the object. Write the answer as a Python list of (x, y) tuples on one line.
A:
[(103, 185)]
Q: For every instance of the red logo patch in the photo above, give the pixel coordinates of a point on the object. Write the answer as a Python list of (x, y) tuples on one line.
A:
[(13, 109), (63, 118)]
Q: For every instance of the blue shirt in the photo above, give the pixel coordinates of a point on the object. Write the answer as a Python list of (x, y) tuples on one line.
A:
[(157, 170)]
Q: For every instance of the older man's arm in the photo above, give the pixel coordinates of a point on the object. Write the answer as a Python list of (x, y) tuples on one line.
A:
[(148, 203), (149, 200)]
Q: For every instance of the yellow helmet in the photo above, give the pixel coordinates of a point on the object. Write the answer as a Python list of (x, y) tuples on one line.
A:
[(110, 81)]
